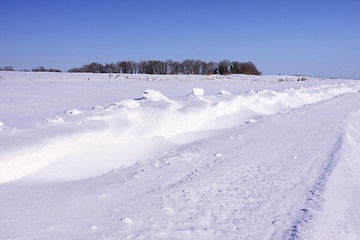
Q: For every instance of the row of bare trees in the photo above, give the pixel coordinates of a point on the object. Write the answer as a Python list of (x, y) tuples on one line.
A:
[(188, 66)]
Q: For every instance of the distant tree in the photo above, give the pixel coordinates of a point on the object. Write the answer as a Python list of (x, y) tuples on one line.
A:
[(76, 70), (249, 68), (127, 67), (188, 66), (169, 66), (224, 66), (39, 69), (212, 68), (52, 70), (118, 67), (156, 67), (150, 69), (204, 68), (133, 66), (109, 68), (235, 67), (93, 67), (42, 69), (197, 67), (124, 68), (112, 68), (142, 67), (7, 68), (176, 68)]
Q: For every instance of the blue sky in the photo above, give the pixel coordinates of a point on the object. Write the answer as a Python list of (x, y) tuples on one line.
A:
[(317, 38)]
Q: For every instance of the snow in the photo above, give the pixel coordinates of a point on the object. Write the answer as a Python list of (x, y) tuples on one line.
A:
[(342, 221), (99, 156), (198, 92)]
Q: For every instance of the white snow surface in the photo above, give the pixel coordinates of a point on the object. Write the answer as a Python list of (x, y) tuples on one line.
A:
[(115, 156)]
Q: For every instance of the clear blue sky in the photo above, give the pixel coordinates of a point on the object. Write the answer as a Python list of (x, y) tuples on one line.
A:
[(317, 38)]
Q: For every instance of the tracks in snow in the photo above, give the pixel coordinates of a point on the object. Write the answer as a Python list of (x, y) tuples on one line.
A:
[(314, 197), (248, 182), (264, 184)]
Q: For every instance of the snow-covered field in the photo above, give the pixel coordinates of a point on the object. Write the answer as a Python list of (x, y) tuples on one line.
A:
[(99, 156)]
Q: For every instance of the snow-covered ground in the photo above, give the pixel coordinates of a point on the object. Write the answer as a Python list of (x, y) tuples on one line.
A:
[(99, 156)]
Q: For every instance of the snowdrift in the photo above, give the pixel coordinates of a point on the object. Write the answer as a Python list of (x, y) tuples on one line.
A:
[(83, 144)]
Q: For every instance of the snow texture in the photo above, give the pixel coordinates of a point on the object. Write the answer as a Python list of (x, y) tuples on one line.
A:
[(94, 156)]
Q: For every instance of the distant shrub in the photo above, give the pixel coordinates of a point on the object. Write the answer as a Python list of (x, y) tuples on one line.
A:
[(39, 69), (249, 68), (7, 68), (302, 79), (42, 69)]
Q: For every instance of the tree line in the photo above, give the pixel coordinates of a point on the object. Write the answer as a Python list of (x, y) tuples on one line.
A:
[(188, 66), (38, 69), (7, 68)]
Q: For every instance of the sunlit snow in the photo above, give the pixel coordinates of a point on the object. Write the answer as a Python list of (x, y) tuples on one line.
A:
[(101, 156)]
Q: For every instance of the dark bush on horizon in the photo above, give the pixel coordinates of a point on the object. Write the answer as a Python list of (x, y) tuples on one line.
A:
[(188, 66), (42, 69), (7, 68)]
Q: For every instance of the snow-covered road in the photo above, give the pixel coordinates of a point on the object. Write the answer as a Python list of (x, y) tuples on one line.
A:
[(270, 164)]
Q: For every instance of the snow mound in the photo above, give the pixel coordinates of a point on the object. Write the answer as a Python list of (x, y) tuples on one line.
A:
[(198, 92), (225, 93), (128, 103), (153, 95), (73, 112), (57, 119), (135, 129)]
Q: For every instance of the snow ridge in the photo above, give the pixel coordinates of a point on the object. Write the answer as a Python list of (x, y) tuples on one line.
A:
[(149, 120)]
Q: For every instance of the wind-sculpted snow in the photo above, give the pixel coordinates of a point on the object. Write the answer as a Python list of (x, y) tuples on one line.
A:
[(153, 123), (96, 156)]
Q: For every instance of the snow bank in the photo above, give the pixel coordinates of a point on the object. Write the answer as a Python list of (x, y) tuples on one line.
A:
[(83, 144)]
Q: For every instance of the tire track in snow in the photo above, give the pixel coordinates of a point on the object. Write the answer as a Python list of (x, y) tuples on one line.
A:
[(250, 195), (314, 197)]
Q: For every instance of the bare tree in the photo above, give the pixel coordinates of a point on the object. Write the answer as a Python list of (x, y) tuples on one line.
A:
[(235, 67), (188, 66), (197, 67), (224, 66)]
